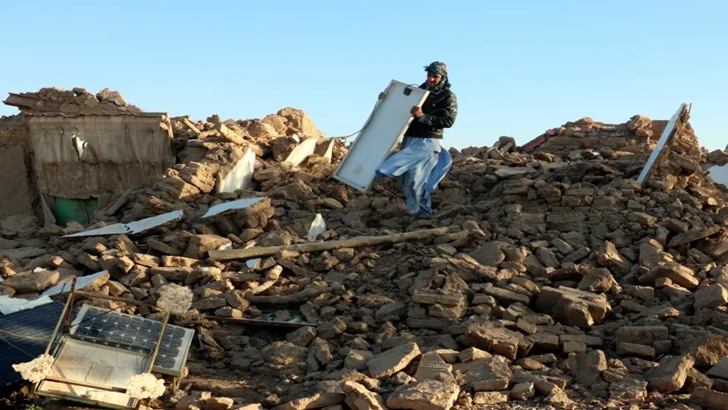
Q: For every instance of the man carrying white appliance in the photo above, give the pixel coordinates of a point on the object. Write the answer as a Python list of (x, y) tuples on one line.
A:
[(422, 162)]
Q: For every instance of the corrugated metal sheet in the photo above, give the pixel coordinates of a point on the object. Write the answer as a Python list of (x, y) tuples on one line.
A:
[(24, 336)]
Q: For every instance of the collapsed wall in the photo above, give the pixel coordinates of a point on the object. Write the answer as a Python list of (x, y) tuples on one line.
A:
[(18, 194), (211, 151), (633, 136)]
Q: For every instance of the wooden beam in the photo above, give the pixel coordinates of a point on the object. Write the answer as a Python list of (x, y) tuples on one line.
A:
[(191, 126), (84, 384), (258, 322), (356, 242)]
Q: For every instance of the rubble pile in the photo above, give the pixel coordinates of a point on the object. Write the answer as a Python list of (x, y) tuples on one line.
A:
[(76, 101), (633, 136), (555, 278), (585, 137), (209, 150)]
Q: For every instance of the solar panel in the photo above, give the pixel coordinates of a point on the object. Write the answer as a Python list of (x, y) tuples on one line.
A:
[(135, 334), (24, 335), (90, 373)]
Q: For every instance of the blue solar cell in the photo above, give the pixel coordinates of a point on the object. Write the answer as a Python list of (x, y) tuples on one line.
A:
[(133, 333), (164, 362), (24, 336)]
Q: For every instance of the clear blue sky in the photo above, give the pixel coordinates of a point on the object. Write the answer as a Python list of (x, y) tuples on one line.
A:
[(517, 67)]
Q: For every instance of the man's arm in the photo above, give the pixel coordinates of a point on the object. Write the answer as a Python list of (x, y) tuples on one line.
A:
[(443, 117)]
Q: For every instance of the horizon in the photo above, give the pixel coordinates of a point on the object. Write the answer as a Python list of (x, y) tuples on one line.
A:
[(517, 69)]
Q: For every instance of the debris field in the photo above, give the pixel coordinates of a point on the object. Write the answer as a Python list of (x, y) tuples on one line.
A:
[(546, 279)]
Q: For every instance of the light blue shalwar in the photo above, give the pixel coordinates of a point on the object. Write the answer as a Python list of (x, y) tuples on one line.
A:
[(419, 166)]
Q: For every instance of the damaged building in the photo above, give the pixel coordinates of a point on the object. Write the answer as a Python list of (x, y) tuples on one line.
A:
[(80, 150), (586, 268)]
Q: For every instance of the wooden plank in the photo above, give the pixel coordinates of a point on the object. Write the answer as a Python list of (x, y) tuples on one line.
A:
[(85, 384), (94, 397), (355, 242), (191, 126), (258, 322)]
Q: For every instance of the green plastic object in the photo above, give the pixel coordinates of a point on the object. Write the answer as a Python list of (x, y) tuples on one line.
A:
[(79, 210)]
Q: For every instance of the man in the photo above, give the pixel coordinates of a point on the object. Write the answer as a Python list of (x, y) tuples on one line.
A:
[(422, 162)]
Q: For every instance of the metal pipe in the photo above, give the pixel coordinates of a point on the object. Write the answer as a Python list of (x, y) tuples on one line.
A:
[(63, 315)]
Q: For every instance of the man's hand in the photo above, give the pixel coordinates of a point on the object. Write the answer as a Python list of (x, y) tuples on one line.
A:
[(381, 95), (417, 111)]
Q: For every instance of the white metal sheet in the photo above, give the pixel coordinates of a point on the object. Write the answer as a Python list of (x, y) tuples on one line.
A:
[(302, 151), (227, 206), (318, 226), (82, 282), (10, 305), (132, 227), (241, 176), (666, 134), (153, 222), (380, 135), (115, 229), (325, 149)]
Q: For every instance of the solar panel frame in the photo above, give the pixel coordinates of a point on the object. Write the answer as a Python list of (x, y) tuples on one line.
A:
[(121, 330)]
